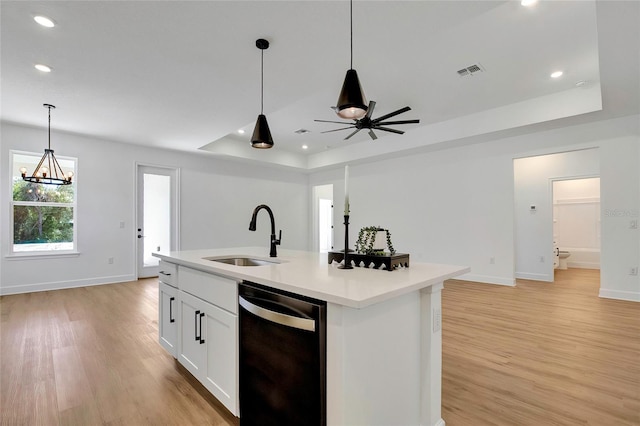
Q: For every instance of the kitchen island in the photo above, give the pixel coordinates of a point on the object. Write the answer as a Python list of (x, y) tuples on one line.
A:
[(384, 341)]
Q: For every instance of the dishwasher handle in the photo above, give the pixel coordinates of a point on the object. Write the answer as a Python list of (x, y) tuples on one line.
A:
[(277, 317)]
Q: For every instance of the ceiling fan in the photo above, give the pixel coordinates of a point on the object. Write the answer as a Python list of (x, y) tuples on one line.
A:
[(372, 124)]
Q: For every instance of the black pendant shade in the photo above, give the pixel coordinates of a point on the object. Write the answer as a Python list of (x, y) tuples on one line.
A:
[(261, 134), (261, 137), (352, 103)]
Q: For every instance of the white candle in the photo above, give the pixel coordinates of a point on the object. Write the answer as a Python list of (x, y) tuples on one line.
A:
[(346, 190)]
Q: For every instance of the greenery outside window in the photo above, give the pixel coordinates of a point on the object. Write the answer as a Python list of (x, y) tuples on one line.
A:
[(43, 217)]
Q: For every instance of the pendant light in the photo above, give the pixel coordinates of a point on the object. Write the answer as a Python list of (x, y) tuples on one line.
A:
[(48, 170), (261, 134), (352, 103)]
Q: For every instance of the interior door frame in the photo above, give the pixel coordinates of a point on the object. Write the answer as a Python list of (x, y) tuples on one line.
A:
[(174, 173)]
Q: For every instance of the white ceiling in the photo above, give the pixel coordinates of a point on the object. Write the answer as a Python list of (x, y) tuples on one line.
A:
[(185, 75)]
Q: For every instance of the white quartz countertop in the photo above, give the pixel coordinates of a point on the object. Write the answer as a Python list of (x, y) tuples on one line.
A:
[(309, 274)]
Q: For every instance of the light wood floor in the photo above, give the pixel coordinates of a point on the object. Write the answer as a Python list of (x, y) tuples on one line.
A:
[(537, 354), (540, 354), (90, 356)]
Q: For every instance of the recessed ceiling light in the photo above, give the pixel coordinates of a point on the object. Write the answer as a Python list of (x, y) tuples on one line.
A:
[(580, 83), (43, 68), (556, 74), (528, 3), (241, 131), (44, 21), (305, 147)]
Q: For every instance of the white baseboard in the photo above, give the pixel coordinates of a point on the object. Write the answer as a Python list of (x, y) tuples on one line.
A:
[(30, 288), (534, 277), (439, 423), (487, 279), (631, 296), (583, 265)]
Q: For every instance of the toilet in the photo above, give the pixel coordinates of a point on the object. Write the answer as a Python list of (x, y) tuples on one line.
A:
[(563, 255)]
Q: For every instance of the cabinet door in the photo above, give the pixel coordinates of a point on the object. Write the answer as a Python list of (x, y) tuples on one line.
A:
[(168, 312), (221, 333), (191, 342)]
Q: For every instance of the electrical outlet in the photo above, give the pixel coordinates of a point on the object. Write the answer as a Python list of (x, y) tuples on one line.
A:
[(437, 320), (633, 271), (122, 225), (110, 260), (541, 259), (492, 260), (633, 224)]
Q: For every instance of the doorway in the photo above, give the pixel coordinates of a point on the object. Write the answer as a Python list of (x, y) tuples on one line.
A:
[(156, 216), (322, 218), (576, 223)]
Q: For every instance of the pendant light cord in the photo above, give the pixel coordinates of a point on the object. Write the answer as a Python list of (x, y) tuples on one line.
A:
[(262, 81), (351, 30)]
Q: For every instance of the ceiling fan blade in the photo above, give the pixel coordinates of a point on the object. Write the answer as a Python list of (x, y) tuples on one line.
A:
[(335, 130), (386, 129), (328, 121), (373, 135), (356, 131), (372, 105), (386, 123), (391, 114)]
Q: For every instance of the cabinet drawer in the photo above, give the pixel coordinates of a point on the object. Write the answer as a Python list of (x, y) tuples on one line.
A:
[(219, 291), (167, 273)]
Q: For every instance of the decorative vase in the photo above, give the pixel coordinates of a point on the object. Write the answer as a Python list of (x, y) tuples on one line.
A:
[(380, 240)]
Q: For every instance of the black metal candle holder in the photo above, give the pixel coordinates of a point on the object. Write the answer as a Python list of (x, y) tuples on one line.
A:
[(347, 261)]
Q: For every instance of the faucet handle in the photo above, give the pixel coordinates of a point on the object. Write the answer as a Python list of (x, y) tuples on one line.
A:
[(277, 242)]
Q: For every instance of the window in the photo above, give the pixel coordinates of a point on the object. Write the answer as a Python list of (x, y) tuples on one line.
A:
[(43, 217)]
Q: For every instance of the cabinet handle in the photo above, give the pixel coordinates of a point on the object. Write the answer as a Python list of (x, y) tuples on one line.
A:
[(165, 273), (171, 318), (201, 339), (197, 338)]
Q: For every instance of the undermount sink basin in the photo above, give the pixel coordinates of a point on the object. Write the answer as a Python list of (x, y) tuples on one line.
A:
[(242, 261)]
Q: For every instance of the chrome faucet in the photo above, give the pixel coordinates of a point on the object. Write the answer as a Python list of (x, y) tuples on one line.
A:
[(252, 227)]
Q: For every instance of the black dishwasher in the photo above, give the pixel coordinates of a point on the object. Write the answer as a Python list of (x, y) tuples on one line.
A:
[(282, 358)]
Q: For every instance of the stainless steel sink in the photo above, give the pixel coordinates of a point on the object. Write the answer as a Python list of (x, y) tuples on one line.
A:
[(242, 261)]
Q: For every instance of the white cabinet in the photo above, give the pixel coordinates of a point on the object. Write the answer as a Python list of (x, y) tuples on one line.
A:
[(167, 325), (208, 334), (168, 304)]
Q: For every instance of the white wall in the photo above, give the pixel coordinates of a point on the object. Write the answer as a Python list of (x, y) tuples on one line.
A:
[(217, 199), (533, 177), (458, 205), (453, 206), (620, 200)]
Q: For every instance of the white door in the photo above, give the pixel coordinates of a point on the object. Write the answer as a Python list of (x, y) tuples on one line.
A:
[(157, 216), (322, 218)]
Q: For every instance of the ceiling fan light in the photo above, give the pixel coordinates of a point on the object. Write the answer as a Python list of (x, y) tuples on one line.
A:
[(352, 103), (261, 134)]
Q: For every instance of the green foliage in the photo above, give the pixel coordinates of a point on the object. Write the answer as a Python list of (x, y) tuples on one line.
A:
[(367, 238), (41, 223), (28, 191)]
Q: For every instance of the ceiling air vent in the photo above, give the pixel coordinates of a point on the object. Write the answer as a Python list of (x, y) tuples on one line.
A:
[(302, 131), (470, 70)]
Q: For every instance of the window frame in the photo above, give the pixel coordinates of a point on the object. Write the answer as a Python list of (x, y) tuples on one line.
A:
[(12, 204)]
